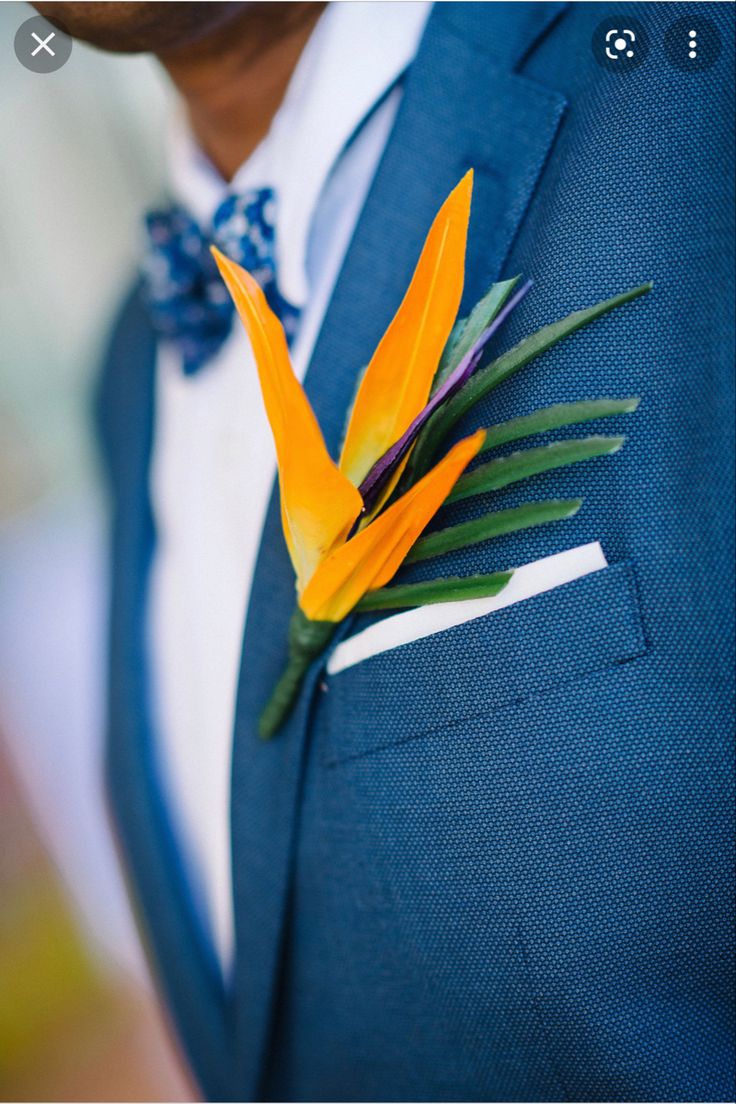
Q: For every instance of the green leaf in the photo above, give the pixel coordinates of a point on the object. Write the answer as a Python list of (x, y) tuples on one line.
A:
[(495, 524), (555, 417), (522, 465), (451, 589), (485, 379), (466, 331), (448, 360)]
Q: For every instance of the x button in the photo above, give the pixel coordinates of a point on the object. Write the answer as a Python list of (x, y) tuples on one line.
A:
[(40, 46), (43, 43)]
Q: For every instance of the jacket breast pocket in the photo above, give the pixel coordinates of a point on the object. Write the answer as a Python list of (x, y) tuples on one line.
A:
[(472, 669)]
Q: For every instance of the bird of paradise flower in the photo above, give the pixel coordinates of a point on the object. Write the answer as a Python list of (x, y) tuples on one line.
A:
[(350, 525)]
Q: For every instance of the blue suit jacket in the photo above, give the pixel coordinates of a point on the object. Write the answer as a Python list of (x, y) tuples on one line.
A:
[(493, 864)]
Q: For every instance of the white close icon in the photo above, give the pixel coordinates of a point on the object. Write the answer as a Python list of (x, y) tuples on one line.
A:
[(623, 42), (43, 44)]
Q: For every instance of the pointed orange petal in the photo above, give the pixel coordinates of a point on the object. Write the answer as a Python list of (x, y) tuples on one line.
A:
[(398, 379), (318, 503), (372, 557)]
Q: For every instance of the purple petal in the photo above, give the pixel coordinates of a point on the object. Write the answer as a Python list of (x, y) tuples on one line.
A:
[(380, 473)]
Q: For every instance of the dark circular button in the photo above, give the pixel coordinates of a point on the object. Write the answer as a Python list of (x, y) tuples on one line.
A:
[(40, 46), (620, 43), (692, 44)]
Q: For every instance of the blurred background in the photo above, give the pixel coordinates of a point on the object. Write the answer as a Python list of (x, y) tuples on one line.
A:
[(81, 161)]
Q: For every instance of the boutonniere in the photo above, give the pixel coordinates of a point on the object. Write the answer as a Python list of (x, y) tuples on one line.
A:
[(350, 524)]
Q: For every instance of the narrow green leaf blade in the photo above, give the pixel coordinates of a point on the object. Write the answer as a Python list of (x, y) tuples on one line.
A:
[(522, 465), (485, 379), (495, 524), (451, 589), (449, 357), (467, 331), (555, 417)]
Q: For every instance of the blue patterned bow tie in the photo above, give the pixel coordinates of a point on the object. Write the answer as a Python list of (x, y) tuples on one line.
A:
[(186, 298)]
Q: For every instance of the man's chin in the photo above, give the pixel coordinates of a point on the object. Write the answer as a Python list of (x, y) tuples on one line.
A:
[(139, 27)]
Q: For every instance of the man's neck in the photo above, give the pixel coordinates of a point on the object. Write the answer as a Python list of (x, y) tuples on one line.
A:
[(234, 81)]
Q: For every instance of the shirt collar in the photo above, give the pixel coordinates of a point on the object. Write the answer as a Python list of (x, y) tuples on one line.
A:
[(355, 54)]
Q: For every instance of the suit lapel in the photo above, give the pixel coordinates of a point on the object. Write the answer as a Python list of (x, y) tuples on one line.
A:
[(181, 959), (463, 105)]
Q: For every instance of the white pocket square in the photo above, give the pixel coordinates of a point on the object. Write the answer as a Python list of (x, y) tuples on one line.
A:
[(526, 582)]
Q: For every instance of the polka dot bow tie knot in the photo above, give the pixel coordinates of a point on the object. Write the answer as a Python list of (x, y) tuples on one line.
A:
[(186, 299)]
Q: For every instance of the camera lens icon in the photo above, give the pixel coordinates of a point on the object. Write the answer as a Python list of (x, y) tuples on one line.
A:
[(620, 43)]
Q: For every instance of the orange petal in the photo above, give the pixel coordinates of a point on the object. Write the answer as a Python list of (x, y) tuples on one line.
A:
[(373, 556), (398, 379), (318, 503)]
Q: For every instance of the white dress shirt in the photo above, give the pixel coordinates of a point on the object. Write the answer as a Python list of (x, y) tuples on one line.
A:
[(214, 462)]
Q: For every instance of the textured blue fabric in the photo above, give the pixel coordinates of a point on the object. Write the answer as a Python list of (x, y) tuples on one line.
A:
[(495, 864), (186, 299), (179, 951)]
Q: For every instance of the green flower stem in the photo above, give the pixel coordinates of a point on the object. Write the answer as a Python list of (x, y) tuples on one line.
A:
[(284, 696), (307, 640)]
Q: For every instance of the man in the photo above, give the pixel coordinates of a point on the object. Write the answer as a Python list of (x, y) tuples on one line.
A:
[(491, 864)]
